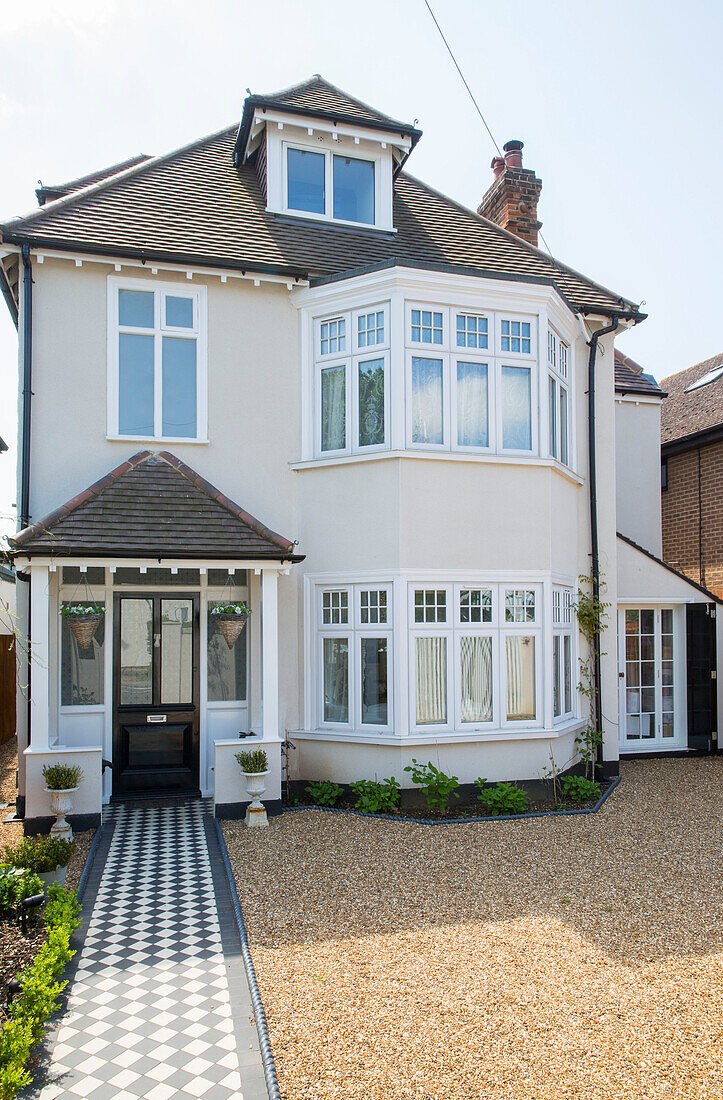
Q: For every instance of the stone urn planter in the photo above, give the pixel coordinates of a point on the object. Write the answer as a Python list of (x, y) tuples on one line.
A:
[(61, 803), (254, 767), (231, 619), (58, 875)]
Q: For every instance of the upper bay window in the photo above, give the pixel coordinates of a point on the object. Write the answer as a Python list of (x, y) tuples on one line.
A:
[(330, 184), (558, 398), (156, 360)]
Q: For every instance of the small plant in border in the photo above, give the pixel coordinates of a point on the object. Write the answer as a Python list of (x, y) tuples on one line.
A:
[(322, 792), (578, 788), (62, 777), (438, 787), (373, 797), (252, 761), (39, 854), (588, 742), (503, 799), (17, 883)]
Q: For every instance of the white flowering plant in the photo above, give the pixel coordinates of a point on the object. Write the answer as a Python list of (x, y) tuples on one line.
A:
[(71, 610), (231, 609)]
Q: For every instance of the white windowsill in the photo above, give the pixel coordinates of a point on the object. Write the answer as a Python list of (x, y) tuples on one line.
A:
[(153, 439), (444, 456), (416, 739), (327, 219)]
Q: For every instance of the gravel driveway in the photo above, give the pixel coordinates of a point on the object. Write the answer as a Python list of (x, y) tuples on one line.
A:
[(575, 957)]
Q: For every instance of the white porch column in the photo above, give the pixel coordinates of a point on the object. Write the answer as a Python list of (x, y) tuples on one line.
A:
[(39, 657), (270, 653)]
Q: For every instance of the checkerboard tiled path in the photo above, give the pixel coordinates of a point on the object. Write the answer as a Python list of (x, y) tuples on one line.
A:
[(159, 1005)]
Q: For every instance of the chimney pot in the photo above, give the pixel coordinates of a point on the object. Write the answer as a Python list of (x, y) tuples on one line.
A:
[(498, 165), (513, 153)]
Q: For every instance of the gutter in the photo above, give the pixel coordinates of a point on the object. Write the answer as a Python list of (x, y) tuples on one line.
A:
[(594, 541)]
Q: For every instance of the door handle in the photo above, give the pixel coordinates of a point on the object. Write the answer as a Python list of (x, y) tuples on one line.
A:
[(156, 717)]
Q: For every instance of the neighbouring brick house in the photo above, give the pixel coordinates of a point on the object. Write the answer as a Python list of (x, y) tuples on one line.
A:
[(692, 472)]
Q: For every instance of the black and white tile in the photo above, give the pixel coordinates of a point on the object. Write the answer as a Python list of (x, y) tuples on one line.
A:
[(158, 1005)]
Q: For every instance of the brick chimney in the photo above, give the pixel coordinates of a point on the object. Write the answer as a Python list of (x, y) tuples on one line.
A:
[(511, 200)]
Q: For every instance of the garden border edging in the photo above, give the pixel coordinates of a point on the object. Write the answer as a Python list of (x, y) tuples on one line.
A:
[(460, 820)]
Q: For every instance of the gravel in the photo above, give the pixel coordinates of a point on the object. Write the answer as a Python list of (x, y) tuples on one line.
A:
[(553, 958)]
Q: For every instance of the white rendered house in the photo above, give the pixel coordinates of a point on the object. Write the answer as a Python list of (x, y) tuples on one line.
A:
[(279, 322)]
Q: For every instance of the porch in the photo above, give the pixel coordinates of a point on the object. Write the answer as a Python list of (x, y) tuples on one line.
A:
[(154, 703)]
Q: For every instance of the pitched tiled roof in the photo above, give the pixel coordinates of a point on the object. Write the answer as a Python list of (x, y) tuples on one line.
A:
[(49, 191), (698, 411), (630, 377), (153, 505), (194, 206)]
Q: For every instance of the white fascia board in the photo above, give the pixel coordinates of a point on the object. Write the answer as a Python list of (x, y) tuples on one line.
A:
[(637, 399), (324, 126), (442, 576), (153, 267), (25, 564)]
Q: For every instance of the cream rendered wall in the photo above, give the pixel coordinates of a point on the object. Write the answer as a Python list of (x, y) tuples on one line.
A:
[(637, 456)]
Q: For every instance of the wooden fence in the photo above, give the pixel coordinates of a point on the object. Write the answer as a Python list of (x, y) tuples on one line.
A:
[(7, 687)]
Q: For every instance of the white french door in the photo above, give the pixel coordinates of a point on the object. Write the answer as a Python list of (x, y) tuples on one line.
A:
[(652, 703)]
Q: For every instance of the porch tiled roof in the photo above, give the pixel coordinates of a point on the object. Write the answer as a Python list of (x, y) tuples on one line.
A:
[(631, 378), (153, 505)]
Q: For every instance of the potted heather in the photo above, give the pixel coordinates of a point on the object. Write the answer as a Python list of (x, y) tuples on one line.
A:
[(61, 783), (83, 620), (231, 618), (254, 765), (44, 856)]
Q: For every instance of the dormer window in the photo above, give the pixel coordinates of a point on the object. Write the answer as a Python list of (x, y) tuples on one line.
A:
[(328, 184)]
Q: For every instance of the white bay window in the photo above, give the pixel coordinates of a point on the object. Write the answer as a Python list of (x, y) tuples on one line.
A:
[(558, 398), (563, 669), (352, 364), (354, 629)]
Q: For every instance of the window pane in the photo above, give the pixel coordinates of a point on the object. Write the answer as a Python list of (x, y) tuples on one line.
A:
[(135, 384), (430, 605), (176, 651), (135, 308), (333, 409), (153, 578), (179, 312), (371, 403), (472, 422), (516, 409), (431, 681), (354, 189), (373, 606), (567, 653), (553, 417), (556, 677), (476, 665), (475, 605), (82, 669), (305, 181), (93, 575), (226, 667), (427, 401), (336, 680), (335, 607), (563, 426), (136, 652), (374, 681), (520, 678), (179, 387)]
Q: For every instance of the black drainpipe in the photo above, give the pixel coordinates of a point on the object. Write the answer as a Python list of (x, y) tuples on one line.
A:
[(595, 548), (27, 387)]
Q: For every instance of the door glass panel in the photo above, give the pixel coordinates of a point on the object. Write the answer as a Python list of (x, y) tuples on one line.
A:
[(176, 651), (374, 681), (631, 622), (476, 665), (136, 652)]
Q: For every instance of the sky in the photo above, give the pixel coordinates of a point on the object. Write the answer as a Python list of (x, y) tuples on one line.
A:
[(618, 106)]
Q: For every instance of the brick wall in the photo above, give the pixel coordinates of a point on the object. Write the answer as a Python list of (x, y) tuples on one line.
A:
[(682, 538), (511, 202)]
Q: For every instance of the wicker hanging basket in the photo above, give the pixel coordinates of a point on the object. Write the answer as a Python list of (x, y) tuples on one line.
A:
[(231, 627), (83, 628)]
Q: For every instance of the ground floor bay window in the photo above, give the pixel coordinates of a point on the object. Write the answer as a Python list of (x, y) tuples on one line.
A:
[(398, 655)]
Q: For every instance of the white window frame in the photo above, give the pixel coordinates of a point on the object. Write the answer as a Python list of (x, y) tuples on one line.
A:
[(558, 381), (532, 629), (350, 360), (354, 631), (160, 290), (377, 159), (562, 617), (523, 318)]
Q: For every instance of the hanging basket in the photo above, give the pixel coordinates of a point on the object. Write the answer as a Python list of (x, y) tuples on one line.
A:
[(83, 628), (231, 626)]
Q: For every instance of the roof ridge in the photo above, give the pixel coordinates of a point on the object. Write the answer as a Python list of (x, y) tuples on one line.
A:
[(106, 173), (92, 189), (317, 78), (525, 245)]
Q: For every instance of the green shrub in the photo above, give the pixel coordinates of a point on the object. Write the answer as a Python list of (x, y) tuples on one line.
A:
[(40, 854), (322, 792), (576, 788), (62, 777), (374, 797), (253, 761), (17, 883), (438, 787), (39, 994), (503, 799)]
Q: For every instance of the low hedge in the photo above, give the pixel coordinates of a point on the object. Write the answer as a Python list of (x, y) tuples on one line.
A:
[(39, 993)]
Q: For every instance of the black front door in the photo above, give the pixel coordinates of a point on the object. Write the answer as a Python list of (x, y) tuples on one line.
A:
[(155, 675), (701, 659)]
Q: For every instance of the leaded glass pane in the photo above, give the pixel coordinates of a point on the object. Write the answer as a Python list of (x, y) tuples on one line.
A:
[(333, 409), (371, 403), (427, 401)]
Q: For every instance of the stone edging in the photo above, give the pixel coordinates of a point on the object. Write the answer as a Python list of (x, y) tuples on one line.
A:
[(460, 820), (267, 1057), (87, 866)]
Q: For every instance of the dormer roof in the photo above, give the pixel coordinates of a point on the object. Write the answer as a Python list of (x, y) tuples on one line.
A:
[(317, 98)]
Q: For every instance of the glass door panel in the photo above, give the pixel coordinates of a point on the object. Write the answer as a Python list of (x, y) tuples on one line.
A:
[(176, 651), (136, 652), (648, 710)]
